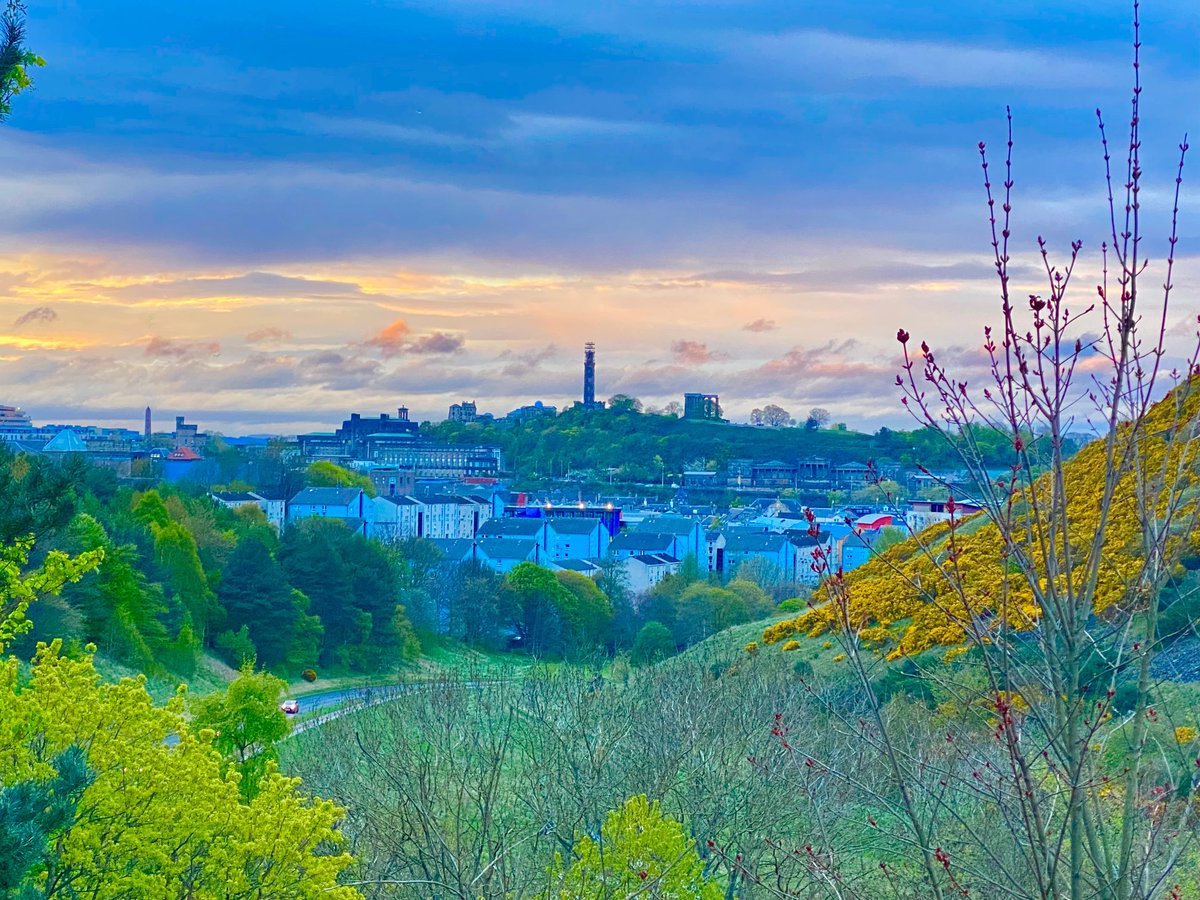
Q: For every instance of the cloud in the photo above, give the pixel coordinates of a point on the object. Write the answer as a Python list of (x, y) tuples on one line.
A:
[(437, 342), (271, 335), (758, 326), (696, 353), (526, 361), (37, 314), (391, 340), (398, 338), (169, 348)]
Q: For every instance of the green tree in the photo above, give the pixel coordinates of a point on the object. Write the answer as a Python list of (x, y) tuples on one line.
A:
[(157, 818), (327, 474), (641, 853), (587, 614), (541, 599), (122, 610), (652, 644), (246, 722), (15, 58), (257, 596)]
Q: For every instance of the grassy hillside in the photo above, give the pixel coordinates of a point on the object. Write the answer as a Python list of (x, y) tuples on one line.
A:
[(917, 595)]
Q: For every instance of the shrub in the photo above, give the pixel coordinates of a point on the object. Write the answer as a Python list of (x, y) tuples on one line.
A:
[(309, 675)]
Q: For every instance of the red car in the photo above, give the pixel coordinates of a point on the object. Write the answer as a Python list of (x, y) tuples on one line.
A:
[(290, 707)]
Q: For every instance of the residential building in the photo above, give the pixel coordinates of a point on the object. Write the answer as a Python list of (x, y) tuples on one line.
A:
[(455, 551), (687, 535), (586, 567), (714, 551), (637, 543), (505, 554), (576, 538), (535, 530), (923, 513), (775, 549), (274, 510), (644, 570), (350, 505), (396, 517)]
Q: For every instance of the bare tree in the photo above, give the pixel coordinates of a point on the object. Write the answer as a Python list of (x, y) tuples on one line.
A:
[(1047, 784)]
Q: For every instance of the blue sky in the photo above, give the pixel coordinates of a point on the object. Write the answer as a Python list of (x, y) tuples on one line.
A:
[(264, 215)]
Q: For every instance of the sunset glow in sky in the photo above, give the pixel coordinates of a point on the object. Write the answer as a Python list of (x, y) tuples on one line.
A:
[(264, 216)]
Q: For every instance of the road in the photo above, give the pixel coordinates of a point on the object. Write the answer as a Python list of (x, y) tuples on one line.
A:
[(343, 701)]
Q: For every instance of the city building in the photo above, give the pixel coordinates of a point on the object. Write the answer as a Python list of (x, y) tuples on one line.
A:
[(273, 509), (576, 538), (644, 570), (351, 506), (702, 407), (535, 411), (773, 548), (465, 412), (505, 554), (188, 436), (923, 513), (15, 424)]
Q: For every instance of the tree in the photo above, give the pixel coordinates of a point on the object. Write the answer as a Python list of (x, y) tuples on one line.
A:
[(148, 817), (255, 595), (817, 418), (587, 614), (15, 58), (541, 599), (776, 416), (624, 403), (327, 474), (640, 852), (674, 409), (1054, 593), (652, 644), (247, 722)]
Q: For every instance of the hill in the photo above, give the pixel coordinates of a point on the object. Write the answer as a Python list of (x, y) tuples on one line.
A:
[(926, 591), (643, 446)]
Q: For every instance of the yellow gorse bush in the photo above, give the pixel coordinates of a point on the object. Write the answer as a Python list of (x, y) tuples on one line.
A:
[(925, 592)]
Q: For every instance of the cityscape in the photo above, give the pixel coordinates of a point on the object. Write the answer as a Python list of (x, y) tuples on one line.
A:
[(493, 450)]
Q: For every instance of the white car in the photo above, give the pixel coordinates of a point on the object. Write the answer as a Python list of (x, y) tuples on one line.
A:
[(290, 707)]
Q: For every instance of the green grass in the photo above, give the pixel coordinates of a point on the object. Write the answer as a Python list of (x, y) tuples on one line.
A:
[(210, 675)]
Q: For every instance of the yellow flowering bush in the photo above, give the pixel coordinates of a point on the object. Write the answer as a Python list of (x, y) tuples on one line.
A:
[(924, 592), (1185, 734)]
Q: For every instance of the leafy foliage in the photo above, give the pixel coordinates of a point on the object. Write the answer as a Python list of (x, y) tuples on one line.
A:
[(641, 852)]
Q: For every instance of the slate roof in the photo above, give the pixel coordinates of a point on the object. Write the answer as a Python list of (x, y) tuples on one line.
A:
[(511, 528), (235, 496), (403, 500), (454, 549), (644, 541), (507, 548), (655, 559), (754, 543), (582, 566), (668, 525), (573, 526)]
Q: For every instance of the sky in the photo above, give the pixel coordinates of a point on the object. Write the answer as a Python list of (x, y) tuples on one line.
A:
[(264, 216)]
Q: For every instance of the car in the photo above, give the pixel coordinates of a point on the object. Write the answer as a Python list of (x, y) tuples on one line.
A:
[(290, 707)]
